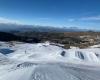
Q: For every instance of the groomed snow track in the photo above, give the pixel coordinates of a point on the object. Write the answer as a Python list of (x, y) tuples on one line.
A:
[(53, 72)]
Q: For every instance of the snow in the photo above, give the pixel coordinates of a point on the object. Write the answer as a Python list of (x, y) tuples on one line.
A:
[(45, 61), (45, 52), (51, 72)]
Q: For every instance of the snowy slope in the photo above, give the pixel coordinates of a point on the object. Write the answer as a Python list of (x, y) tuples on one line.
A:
[(44, 61), (52, 53), (51, 72)]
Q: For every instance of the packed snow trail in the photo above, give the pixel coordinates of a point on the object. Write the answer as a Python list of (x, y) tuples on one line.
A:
[(52, 72)]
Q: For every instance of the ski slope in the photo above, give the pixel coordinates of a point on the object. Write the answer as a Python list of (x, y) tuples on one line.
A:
[(51, 53), (51, 72), (44, 61)]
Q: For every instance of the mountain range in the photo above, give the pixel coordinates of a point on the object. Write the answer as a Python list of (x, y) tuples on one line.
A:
[(36, 28)]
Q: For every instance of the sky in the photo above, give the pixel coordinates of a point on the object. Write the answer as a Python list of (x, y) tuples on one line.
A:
[(58, 13)]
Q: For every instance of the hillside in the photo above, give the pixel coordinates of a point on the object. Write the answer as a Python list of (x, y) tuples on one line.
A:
[(47, 61), (77, 39)]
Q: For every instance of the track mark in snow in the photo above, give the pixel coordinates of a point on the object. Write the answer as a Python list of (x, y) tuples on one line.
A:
[(51, 73), (22, 65)]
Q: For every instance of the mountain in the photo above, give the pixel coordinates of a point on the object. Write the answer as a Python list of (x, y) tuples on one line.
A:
[(36, 28), (11, 27)]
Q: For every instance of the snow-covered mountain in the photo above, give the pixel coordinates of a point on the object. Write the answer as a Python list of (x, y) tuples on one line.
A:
[(47, 61), (8, 27)]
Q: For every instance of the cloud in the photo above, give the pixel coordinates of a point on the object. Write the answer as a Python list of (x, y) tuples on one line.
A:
[(85, 18), (92, 18), (7, 21)]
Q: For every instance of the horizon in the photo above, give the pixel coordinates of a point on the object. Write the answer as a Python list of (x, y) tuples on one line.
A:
[(84, 14)]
